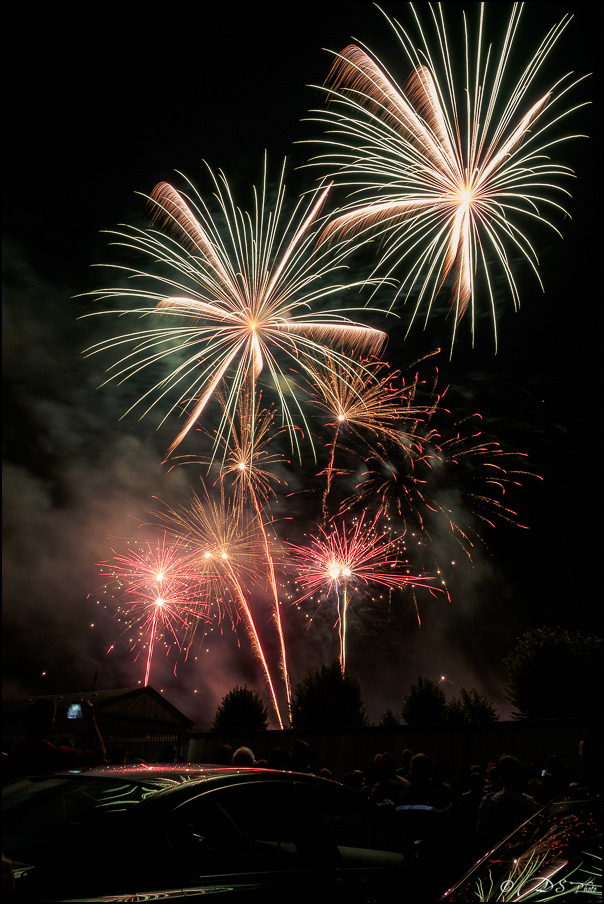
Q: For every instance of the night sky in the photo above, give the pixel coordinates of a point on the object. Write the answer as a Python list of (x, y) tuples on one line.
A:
[(96, 111)]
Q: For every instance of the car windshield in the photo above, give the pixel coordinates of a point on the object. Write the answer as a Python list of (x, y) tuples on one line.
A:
[(38, 810), (558, 851)]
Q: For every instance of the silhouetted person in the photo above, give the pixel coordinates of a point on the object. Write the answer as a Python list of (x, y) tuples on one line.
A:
[(168, 754), (353, 779), (243, 756), (440, 783), (493, 782), (404, 768), (471, 800), (224, 755), (503, 810), (423, 815), (533, 781), (278, 758), (388, 785), (299, 757), (36, 755), (368, 780), (422, 807), (468, 815)]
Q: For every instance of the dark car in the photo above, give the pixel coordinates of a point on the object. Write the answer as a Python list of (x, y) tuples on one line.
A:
[(178, 833), (555, 854)]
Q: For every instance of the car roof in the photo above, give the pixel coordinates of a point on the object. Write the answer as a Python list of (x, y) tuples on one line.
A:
[(187, 771), (167, 770), (166, 775), (180, 780)]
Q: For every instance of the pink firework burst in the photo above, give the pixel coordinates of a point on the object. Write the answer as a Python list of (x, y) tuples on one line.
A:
[(159, 594), (348, 558)]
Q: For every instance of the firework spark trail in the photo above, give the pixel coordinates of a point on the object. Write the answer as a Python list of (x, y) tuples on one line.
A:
[(346, 556), (160, 592), (159, 602), (253, 633), (448, 195), (247, 462), (277, 610), (224, 553), (237, 292), (329, 474)]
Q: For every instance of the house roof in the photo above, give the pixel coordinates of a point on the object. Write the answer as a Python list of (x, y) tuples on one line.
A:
[(103, 701)]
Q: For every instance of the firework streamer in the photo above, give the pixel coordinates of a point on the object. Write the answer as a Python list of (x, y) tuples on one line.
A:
[(446, 174)]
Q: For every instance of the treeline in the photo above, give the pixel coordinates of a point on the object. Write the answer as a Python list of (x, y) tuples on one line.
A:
[(552, 673)]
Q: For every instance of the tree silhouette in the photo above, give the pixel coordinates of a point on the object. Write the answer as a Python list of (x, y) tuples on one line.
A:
[(389, 720), (555, 673), (425, 703), (328, 699), (471, 707), (241, 710)]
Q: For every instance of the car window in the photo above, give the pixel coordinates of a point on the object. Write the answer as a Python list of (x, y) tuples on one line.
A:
[(353, 825), (36, 813), (249, 827), (558, 851)]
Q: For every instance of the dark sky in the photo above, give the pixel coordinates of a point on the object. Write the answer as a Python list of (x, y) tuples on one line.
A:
[(98, 110)]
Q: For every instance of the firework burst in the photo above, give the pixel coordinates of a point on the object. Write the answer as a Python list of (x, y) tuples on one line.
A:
[(347, 558), (371, 402), (443, 488), (247, 463), (368, 401), (446, 174), (479, 470), (235, 294), (159, 594)]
